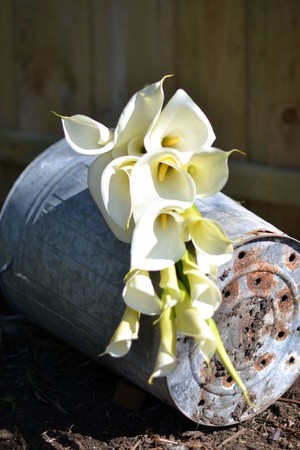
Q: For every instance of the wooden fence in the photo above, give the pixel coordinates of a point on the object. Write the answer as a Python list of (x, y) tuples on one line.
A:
[(238, 59)]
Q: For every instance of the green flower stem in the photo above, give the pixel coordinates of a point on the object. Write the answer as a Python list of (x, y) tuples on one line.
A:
[(223, 355)]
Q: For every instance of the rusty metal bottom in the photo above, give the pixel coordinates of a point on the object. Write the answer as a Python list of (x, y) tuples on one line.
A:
[(260, 325)]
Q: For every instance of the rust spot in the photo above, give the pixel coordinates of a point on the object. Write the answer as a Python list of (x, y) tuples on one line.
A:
[(231, 292), (264, 361), (208, 375), (204, 374), (281, 333), (291, 260), (245, 259), (285, 300), (261, 281), (258, 232), (227, 381)]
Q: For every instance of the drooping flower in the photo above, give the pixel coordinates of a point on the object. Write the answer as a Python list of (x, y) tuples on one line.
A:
[(156, 240), (213, 248), (181, 125), (190, 322), (166, 355), (125, 333), (87, 136), (159, 177), (139, 114), (109, 184), (169, 284), (205, 294), (139, 293)]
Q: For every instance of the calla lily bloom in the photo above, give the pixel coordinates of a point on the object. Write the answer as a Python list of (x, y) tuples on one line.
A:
[(156, 240), (169, 284), (213, 247), (162, 177), (206, 343), (109, 184), (209, 170), (87, 136), (139, 293), (166, 355), (126, 331), (205, 294), (190, 322), (181, 125), (139, 114)]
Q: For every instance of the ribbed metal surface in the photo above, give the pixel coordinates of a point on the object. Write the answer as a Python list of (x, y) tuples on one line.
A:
[(64, 269)]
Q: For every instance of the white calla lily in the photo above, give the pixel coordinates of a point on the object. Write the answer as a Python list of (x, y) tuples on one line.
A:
[(109, 184), (205, 294), (166, 355), (169, 284), (209, 170), (87, 136), (190, 322), (181, 125), (139, 293), (139, 114), (159, 177), (156, 240), (126, 331), (206, 342), (212, 246)]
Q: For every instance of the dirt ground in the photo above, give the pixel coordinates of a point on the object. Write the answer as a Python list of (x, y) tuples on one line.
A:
[(54, 397)]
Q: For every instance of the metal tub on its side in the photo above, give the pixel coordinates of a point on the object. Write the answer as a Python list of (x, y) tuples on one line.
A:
[(63, 268)]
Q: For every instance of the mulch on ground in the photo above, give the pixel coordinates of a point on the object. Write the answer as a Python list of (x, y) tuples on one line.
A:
[(54, 397)]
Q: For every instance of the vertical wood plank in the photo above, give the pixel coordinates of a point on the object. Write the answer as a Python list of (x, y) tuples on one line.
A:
[(211, 63), (273, 70), (53, 61), (274, 81), (109, 25), (152, 30), (286, 218), (8, 72)]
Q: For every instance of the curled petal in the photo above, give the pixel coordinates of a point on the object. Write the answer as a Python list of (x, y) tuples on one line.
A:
[(87, 136), (166, 355), (205, 294), (139, 293), (213, 247), (209, 170), (188, 318), (126, 331), (140, 112), (163, 179), (206, 342), (181, 125), (109, 185), (190, 322), (136, 146), (156, 240)]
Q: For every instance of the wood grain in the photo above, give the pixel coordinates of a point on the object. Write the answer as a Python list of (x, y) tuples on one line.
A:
[(238, 60)]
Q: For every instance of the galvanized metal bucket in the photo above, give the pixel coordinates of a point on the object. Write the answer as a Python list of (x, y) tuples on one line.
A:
[(63, 268)]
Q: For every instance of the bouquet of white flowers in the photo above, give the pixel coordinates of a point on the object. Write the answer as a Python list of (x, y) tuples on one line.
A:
[(145, 179)]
